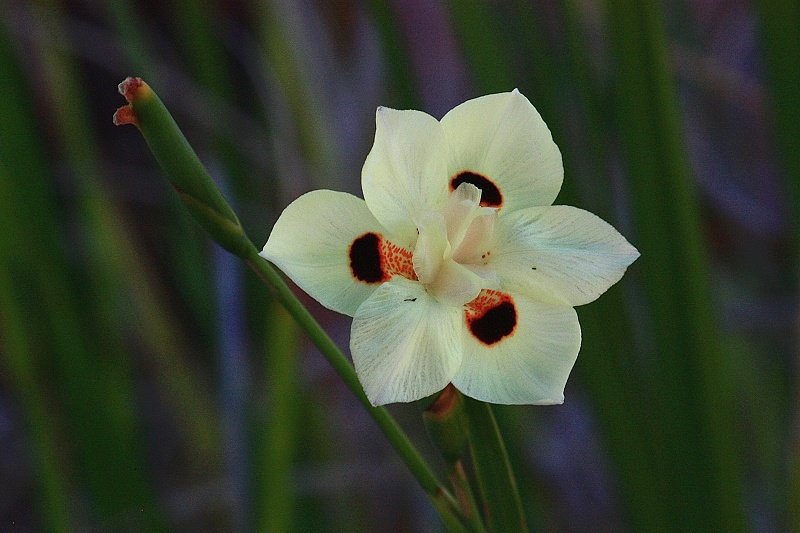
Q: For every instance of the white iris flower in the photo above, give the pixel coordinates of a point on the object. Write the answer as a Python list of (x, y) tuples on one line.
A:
[(455, 267)]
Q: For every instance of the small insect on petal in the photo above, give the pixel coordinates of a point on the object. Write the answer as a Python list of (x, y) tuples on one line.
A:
[(491, 317), (490, 193), (375, 260)]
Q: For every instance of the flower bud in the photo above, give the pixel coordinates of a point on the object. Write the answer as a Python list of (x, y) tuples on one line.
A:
[(446, 423), (184, 169)]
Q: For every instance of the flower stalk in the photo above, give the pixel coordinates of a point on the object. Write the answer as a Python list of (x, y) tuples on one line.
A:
[(446, 424), (187, 174), (207, 205), (502, 505)]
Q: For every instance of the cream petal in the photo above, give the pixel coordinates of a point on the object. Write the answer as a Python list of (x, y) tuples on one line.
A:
[(559, 254), (477, 239), (431, 246), (456, 284), (502, 138), (460, 210), (405, 345), (311, 242), (530, 363), (405, 172)]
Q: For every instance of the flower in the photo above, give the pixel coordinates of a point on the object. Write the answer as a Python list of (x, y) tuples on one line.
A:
[(455, 267)]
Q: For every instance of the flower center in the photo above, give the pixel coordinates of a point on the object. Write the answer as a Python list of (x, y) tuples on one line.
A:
[(452, 250)]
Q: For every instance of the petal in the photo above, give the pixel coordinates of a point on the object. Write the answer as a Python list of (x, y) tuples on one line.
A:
[(456, 284), (460, 210), (431, 246), (405, 345), (311, 241), (477, 238), (404, 173), (523, 355), (501, 144), (559, 254)]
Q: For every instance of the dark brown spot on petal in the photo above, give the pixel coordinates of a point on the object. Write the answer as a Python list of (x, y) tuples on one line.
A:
[(365, 258), (374, 259), (491, 317), (490, 193)]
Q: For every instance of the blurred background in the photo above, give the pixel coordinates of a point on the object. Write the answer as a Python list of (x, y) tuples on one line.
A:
[(148, 382)]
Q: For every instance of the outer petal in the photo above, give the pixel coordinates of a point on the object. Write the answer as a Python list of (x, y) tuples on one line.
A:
[(502, 138), (404, 173), (405, 345), (559, 254), (530, 365), (310, 243)]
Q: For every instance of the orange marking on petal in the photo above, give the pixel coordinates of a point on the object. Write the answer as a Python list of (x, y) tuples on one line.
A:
[(373, 259), (397, 261)]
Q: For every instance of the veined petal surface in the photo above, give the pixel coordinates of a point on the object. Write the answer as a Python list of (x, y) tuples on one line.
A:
[(310, 243), (501, 138), (559, 254), (405, 344), (530, 363), (405, 172)]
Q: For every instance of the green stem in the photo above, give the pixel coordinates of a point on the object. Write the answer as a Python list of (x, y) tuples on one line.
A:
[(465, 496), (502, 505), (208, 206)]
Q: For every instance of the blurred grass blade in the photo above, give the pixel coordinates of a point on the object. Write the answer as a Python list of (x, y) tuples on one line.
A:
[(691, 393), (481, 37), (780, 32), (395, 52), (22, 161), (289, 50), (275, 502), (502, 506), (18, 365), (117, 269), (93, 373), (195, 25), (93, 388)]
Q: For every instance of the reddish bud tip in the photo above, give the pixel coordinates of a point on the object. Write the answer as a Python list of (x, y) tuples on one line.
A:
[(445, 403), (135, 89), (125, 115), (130, 87)]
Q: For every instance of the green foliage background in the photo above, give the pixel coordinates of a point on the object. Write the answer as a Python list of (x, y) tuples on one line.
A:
[(148, 382)]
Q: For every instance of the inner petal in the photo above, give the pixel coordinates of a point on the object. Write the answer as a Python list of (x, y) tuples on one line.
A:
[(432, 245), (460, 210), (456, 284), (474, 246)]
